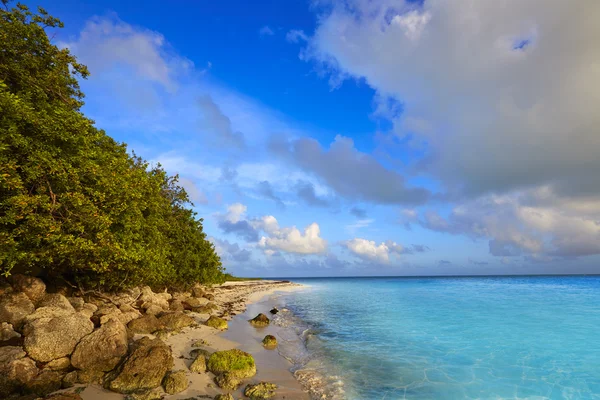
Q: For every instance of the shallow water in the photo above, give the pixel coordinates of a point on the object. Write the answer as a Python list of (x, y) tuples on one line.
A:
[(446, 338)]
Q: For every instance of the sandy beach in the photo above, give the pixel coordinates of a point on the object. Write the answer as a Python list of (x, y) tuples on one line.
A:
[(237, 302)]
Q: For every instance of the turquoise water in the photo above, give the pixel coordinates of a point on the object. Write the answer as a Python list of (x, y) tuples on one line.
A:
[(448, 338)]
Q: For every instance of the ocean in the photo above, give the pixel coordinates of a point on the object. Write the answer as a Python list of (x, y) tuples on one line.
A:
[(445, 338)]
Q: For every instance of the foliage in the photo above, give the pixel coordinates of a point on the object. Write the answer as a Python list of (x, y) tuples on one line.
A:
[(74, 205)]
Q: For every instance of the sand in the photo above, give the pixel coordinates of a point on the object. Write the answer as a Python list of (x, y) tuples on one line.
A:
[(238, 302)]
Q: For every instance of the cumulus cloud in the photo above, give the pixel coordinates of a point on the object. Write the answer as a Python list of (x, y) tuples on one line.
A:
[(502, 95), (370, 250), (235, 222), (291, 240), (218, 125), (349, 172)]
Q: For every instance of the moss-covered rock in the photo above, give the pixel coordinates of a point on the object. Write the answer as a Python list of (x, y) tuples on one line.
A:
[(270, 342), (260, 320), (260, 391), (145, 367), (176, 320), (227, 396), (199, 364), (236, 362), (228, 381), (175, 382), (217, 323), (206, 309)]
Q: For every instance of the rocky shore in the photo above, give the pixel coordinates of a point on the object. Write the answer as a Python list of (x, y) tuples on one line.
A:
[(63, 344)]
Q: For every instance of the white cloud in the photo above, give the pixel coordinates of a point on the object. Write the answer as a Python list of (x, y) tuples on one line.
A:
[(266, 31), (370, 250), (361, 223), (291, 240), (196, 195), (296, 35)]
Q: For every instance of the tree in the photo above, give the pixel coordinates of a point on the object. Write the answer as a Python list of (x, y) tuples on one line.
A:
[(74, 205)]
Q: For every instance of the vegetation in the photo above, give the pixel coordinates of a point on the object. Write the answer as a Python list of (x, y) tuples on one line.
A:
[(74, 204)]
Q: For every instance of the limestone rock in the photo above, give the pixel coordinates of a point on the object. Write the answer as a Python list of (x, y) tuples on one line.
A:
[(47, 312), (176, 320), (154, 394), (46, 382), (14, 307), (145, 324), (260, 391), (175, 382), (88, 309), (87, 376), (270, 342), (60, 364), (56, 300), (16, 370), (34, 288), (227, 396), (145, 367), (197, 352), (199, 364), (7, 332), (152, 309), (236, 362), (102, 349), (47, 339), (148, 298), (197, 291), (260, 320), (192, 302), (206, 309), (69, 380), (217, 323), (228, 381), (176, 305), (76, 302)]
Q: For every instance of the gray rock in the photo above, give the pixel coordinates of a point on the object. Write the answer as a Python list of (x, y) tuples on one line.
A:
[(47, 339), (56, 300), (34, 288), (14, 307), (102, 349)]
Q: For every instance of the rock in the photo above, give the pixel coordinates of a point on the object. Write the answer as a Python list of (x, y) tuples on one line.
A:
[(60, 364), (164, 334), (88, 309), (197, 291), (148, 298), (274, 310), (102, 349), (199, 364), (237, 362), (260, 391), (56, 300), (227, 396), (47, 312), (176, 320), (209, 296), (7, 332), (176, 305), (200, 343), (76, 302), (154, 394), (14, 307), (260, 320), (197, 352), (270, 342), (34, 288), (145, 367), (153, 309), (47, 339), (175, 382), (228, 381), (217, 323), (69, 380), (46, 382), (87, 376), (16, 370), (192, 302), (64, 396), (206, 309), (145, 324)]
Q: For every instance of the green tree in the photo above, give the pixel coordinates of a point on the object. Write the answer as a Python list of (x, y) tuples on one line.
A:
[(74, 205)]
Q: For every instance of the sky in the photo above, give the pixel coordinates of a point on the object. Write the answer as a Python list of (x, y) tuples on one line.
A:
[(359, 137)]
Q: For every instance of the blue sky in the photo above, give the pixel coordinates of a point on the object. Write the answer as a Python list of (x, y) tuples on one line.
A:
[(354, 137)]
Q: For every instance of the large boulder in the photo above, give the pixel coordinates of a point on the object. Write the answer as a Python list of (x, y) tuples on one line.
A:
[(76, 302), (260, 391), (102, 349), (236, 362), (16, 370), (88, 309), (56, 300), (217, 323), (47, 312), (47, 339), (145, 324), (145, 367), (192, 303), (176, 320), (34, 288), (45, 382), (261, 320), (176, 382), (14, 307)]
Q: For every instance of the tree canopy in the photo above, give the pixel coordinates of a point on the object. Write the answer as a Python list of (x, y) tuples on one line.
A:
[(74, 204)]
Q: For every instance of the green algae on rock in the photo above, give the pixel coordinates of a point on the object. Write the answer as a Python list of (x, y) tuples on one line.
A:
[(236, 362), (270, 342), (227, 396), (199, 364), (217, 323), (260, 320), (228, 381), (175, 382), (260, 391)]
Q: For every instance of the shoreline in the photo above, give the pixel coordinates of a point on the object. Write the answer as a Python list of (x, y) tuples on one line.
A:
[(237, 302)]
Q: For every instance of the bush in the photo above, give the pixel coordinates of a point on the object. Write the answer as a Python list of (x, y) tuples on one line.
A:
[(74, 204)]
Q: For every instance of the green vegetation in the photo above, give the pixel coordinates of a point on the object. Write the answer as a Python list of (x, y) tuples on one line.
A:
[(236, 362), (231, 278), (74, 204)]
